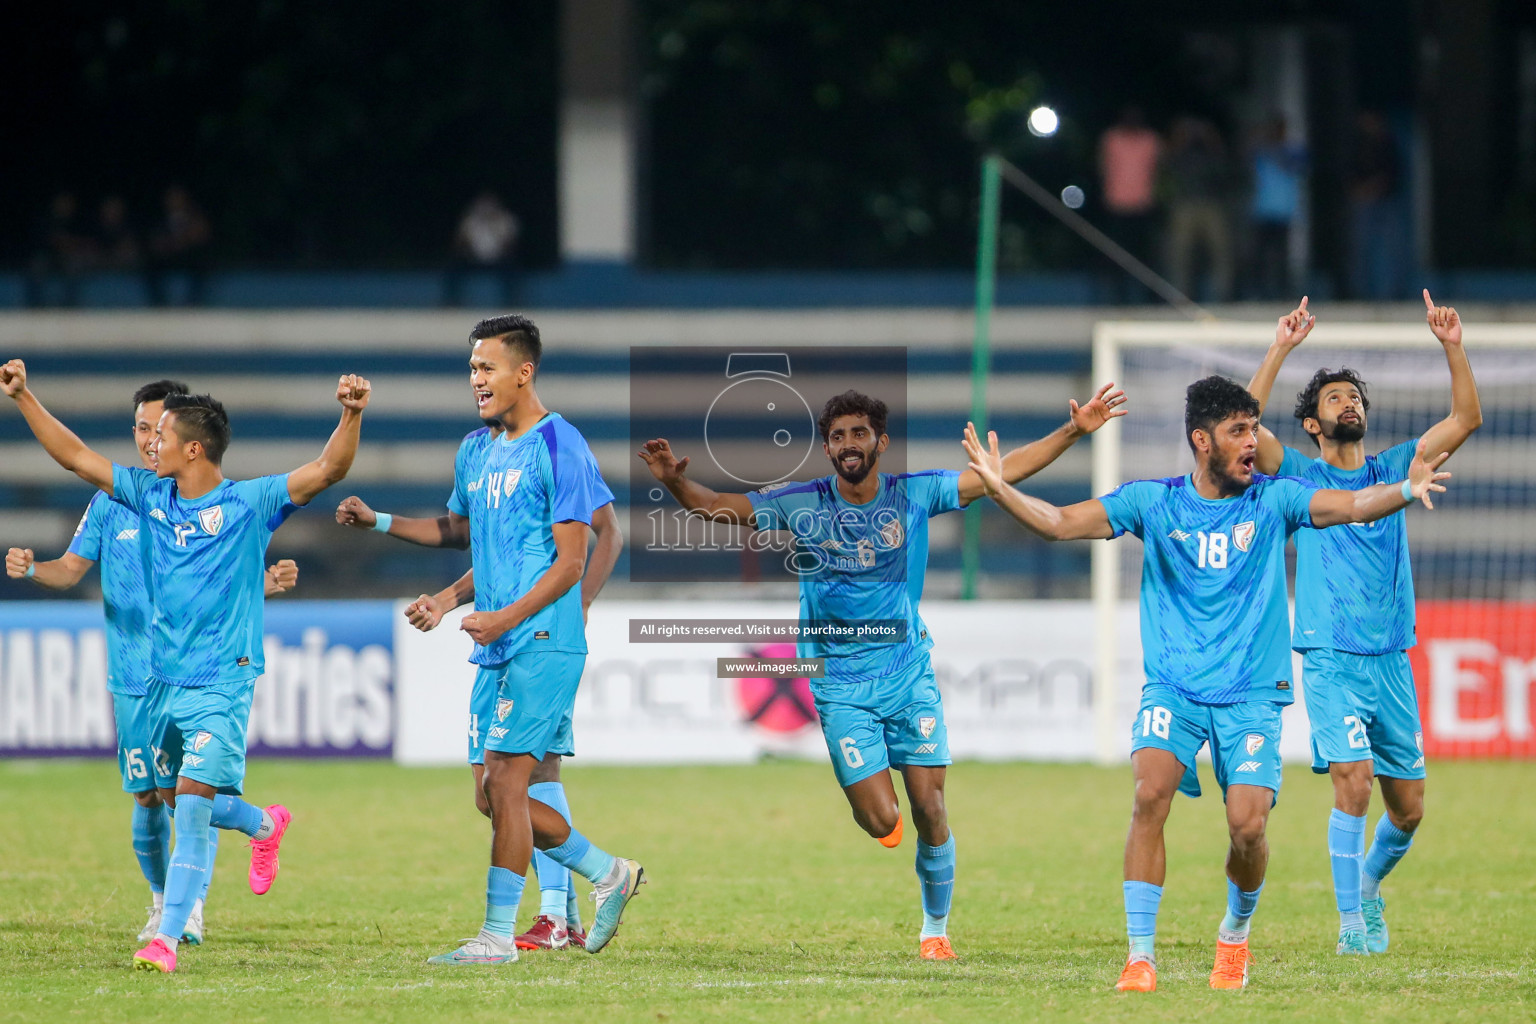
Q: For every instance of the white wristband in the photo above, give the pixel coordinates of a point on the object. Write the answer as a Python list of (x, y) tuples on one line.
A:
[(382, 521), (1408, 494)]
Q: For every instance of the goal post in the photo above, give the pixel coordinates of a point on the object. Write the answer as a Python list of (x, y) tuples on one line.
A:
[(1474, 556)]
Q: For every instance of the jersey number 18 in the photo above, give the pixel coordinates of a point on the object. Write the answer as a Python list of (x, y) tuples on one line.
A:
[(1213, 550)]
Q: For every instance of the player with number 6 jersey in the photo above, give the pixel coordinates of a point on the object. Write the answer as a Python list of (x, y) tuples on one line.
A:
[(861, 553), (1214, 634)]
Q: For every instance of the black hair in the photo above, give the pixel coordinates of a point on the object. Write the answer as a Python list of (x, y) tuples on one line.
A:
[(515, 331), (852, 403), (201, 418), (1212, 399), (159, 391), (1306, 399)]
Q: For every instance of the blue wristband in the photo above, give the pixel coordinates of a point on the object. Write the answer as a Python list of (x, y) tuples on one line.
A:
[(382, 521), (1408, 492), (31, 571)]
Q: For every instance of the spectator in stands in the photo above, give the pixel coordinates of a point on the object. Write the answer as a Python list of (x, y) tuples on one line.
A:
[(60, 252), (116, 244), (180, 245), (1128, 160), (1278, 168), (485, 240), (1376, 217), (1197, 177)]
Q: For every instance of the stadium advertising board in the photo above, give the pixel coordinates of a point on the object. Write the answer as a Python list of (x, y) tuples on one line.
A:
[(328, 689), (1475, 667)]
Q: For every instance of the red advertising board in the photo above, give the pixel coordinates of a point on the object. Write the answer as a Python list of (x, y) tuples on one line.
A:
[(1475, 667)]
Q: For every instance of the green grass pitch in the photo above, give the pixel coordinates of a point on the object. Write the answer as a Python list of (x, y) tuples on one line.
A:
[(765, 903)]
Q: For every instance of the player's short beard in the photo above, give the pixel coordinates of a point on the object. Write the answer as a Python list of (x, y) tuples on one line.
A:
[(859, 475), (1225, 483), (1347, 433)]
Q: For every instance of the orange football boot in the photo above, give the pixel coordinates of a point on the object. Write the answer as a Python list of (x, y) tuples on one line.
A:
[(936, 948), (1139, 975), (1231, 970)]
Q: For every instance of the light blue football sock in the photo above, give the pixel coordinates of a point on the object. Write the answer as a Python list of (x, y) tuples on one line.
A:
[(1389, 847), (189, 864), (936, 880), (213, 855), (1346, 849), (1141, 902), (152, 842), (554, 878), (1240, 908), (231, 812), (503, 892), (578, 854)]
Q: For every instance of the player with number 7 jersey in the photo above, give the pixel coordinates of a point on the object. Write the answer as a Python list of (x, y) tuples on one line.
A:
[(1215, 638)]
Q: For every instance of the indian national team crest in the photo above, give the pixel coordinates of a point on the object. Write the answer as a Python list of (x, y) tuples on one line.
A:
[(509, 483), (212, 520), (893, 534), (201, 740), (503, 709), (1242, 536), (926, 724), (1254, 742)]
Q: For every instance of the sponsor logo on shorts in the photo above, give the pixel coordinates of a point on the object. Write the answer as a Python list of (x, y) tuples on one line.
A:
[(503, 709), (1420, 762), (202, 739), (1254, 743), (193, 761), (926, 748), (212, 519), (1249, 766), (1242, 535), (925, 725), (542, 634), (242, 661), (497, 732), (1283, 684)]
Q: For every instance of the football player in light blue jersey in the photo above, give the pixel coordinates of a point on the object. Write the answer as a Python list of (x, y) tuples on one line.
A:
[(533, 504), (1355, 619), (558, 924), (861, 554), (203, 538), (109, 533), (1214, 632)]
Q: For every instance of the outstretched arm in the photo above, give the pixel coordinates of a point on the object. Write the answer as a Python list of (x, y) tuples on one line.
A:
[(428, 610), (446, 531), (695, 497), (605, 552), (1290, 331), (1086, 520), (60, 574), (1466, 408), (562, 575), (1335, 508), (331, 467), (57, 439), (1026, 461)]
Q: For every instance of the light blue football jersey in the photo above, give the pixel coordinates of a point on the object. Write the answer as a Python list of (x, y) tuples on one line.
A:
[(858, 563), (1214, 618), (205, 572), (108, 534), (468, 479), (1354, 586), (525, 485)]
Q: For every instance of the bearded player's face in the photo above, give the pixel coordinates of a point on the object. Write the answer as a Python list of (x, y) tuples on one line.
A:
[(1233, 447), (853, 447), (1341, 412)]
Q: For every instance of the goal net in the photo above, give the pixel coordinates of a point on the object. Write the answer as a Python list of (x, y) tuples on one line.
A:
[(1474, 556)]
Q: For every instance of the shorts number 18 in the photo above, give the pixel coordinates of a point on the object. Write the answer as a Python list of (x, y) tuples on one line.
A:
[(1155, 721)]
